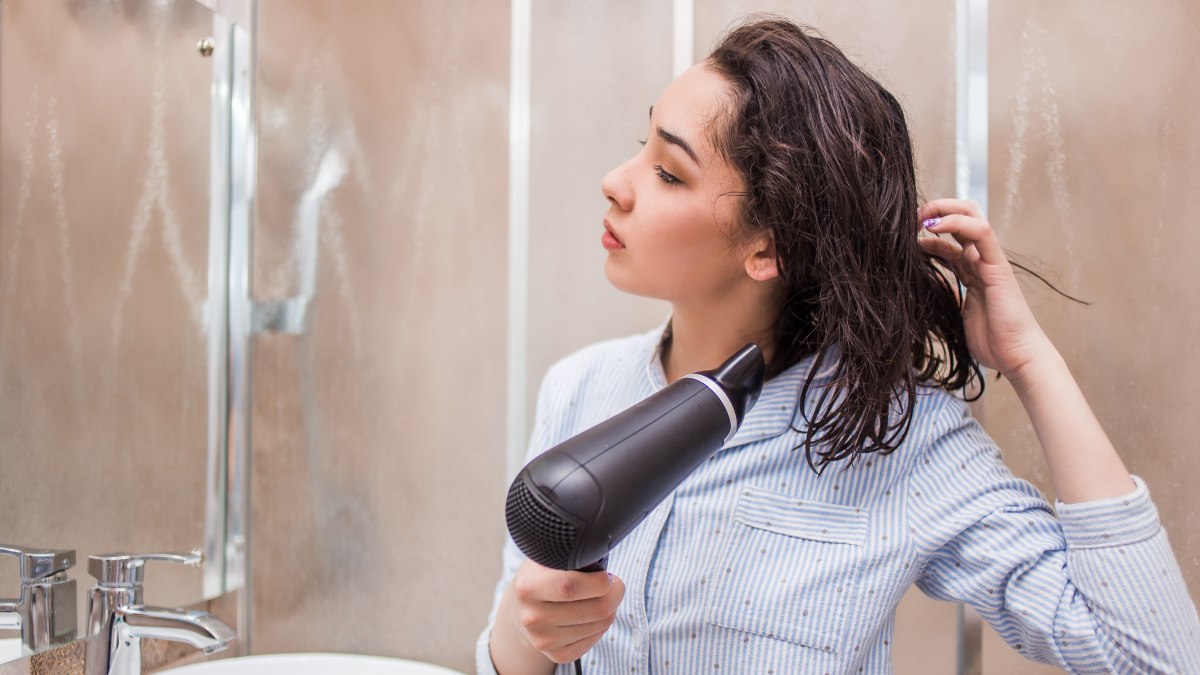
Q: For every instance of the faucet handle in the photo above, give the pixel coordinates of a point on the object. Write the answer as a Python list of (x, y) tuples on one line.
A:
[(45, 612), (37, 564), (128, 569)]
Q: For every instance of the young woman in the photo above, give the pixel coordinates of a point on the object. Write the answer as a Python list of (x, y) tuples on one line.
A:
[(774, 202)]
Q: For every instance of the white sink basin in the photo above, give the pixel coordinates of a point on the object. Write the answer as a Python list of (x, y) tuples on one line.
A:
[(10, 649), (311, 664)]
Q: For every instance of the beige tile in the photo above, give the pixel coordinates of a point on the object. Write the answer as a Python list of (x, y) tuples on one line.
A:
[(596, 70), (925, 636)]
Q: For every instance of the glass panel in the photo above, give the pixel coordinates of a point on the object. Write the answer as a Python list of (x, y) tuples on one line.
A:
[(378, 433), (104, 174), (1094, 149)]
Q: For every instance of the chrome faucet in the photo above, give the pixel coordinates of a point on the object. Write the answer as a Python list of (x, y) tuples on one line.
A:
[(118, 619), (45, 612)]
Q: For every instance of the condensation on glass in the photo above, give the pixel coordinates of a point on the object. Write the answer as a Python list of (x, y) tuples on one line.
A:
[(378, 420), (1094, 148), (104, 214)]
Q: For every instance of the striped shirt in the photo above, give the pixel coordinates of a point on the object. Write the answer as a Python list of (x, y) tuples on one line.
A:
[(756, 564)]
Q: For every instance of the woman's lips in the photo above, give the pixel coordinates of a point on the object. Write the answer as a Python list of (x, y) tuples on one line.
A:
[(609, 240)]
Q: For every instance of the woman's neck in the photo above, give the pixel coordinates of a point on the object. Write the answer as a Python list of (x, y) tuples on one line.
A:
[(704, 339)]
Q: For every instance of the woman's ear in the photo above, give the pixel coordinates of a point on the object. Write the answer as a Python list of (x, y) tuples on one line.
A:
[(760, 262)]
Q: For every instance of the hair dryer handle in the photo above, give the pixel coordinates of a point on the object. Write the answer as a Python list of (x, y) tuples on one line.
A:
[(598, 566)]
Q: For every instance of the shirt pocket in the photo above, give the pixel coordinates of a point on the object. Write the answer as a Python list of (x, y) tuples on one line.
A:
[(791, 569)]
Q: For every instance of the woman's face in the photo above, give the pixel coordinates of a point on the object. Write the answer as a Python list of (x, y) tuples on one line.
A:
[(671, 221)]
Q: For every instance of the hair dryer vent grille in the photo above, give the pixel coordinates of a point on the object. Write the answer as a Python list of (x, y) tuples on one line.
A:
[(541, 534)]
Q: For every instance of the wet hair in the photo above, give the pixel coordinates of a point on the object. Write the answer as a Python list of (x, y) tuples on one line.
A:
[(825, 155)]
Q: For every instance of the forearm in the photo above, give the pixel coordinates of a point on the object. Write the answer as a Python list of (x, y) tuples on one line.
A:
[(511, 652), (1083, 464)]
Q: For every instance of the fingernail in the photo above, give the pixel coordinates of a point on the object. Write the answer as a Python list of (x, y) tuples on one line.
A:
[(610, 577), (931, 222)]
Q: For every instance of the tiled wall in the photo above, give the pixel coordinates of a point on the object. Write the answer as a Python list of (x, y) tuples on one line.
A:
[(596, 70)]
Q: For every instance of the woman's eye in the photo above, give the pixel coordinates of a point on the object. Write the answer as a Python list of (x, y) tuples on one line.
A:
[(666, 177)]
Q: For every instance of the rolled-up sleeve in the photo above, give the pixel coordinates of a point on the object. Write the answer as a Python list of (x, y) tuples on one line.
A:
[(483, 654), (1095, 589)]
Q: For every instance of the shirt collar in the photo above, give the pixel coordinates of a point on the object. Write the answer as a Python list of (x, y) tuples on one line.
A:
[(775, 409), (656, 377)]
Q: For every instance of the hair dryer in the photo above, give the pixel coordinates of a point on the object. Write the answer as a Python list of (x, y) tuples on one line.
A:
[(572, 504)]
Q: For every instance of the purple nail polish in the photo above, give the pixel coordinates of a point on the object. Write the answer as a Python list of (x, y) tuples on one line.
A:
[(931, 222), (610, 577)]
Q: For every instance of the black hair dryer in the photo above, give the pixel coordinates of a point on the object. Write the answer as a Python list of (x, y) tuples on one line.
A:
[(579, 499)]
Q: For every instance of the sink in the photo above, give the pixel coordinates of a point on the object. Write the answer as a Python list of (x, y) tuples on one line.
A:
[(310, 664), (10, 649)]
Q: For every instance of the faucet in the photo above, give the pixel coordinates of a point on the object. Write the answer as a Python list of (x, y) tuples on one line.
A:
[(45, 612), (118, 619)]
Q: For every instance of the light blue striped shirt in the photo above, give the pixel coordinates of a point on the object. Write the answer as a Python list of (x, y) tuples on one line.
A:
[(756, 564)]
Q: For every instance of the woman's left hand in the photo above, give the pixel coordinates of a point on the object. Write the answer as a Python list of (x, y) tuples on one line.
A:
[(1002, 332)]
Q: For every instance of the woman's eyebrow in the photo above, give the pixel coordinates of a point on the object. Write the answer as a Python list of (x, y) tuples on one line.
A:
[(675, 140)]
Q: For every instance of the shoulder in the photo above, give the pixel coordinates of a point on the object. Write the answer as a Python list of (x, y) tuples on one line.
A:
[(936, 413), (946, 439), (956, 452), (593, 383)]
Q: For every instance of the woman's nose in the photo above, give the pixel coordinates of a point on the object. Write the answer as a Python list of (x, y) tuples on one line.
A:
[(617, 188)]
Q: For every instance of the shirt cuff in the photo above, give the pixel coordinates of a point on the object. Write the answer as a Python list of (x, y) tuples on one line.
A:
[(483, 653), (1116, 521)]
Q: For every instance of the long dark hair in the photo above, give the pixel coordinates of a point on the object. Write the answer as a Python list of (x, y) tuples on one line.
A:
[(825, 155)]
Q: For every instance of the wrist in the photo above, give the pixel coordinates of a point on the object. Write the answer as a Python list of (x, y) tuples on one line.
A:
[(1044, 362), (509, 647)]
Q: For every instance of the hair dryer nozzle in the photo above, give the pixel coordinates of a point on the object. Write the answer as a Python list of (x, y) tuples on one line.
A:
[(742, 378)]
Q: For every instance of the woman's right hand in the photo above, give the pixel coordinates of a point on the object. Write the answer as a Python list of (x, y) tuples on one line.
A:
[(562, 614), (1002, 332)]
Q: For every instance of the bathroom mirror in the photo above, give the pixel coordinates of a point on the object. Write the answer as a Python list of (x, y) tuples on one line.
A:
[(115, 188), (431, 167)]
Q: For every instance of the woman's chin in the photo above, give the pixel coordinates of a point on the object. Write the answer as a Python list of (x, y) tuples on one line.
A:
[(631, 286), (620, 278), (625, 280), (613, 274)]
